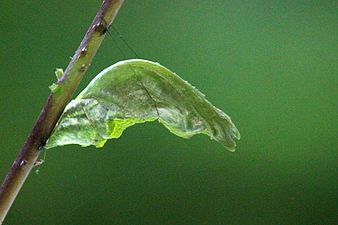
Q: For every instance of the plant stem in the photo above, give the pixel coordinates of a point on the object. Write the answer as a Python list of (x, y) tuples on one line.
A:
[(56, 103)]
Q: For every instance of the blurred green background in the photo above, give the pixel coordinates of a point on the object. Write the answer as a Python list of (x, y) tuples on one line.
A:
[(271, 65)]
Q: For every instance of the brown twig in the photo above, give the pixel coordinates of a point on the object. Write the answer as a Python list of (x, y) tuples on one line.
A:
[(56, 103)]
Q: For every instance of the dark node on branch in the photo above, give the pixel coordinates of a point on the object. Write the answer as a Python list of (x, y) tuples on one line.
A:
[(83, 52), (100, 27), (105, 25), (41, 146), (22, 162)]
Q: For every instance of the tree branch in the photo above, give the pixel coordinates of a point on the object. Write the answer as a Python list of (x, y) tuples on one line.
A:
[(57, 100)]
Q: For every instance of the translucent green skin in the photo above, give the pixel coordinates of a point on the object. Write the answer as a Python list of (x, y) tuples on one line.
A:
[(137, 91)]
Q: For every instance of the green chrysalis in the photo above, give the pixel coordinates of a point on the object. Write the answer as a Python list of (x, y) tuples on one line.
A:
[(138, 91)]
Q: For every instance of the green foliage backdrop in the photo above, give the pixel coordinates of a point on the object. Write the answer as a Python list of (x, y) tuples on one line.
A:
[(271, 65)]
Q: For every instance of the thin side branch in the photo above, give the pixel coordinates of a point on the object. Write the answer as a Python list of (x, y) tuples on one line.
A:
[(56, 103)]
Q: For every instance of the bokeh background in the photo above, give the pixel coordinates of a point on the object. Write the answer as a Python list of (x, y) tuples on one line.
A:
[(271, 65)]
